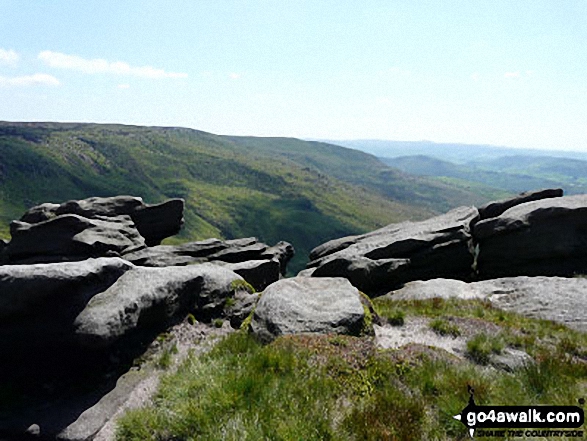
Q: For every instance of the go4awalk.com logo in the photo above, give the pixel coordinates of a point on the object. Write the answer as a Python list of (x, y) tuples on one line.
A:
[(528, 421)]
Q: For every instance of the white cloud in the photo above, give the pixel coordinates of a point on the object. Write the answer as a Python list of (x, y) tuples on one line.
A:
[(8, 57), (511, 75), (475, 76), (99, 65), (235, 76), (124, 86), (30, 80)]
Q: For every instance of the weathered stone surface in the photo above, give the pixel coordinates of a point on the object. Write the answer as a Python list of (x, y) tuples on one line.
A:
[(72, 237), (63, 326), (38, 304), (282, 252), (552, 298), (308, 305), (149, 299), (546, 237), (377, 261), (176, 255), (27, 289), (259, 264), (154, 222), (259, 273), (437, 288), (89, 208), (496, 208)]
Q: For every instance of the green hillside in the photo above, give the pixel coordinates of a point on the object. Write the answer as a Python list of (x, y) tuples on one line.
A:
[(272, 188), (510, 173)]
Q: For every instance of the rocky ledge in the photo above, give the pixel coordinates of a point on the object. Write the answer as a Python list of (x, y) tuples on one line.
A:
[(540, 233)]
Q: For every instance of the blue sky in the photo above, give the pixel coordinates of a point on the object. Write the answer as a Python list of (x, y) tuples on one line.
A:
[(510, 73)]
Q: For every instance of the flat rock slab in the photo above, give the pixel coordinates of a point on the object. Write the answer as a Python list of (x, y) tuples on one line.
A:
[(558, 299), (308, 305)]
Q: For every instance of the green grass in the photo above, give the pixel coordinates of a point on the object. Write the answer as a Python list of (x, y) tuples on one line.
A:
[(444, 327), (482, 346), (337, 388), (166, 358), (518, 331), (396, 317)]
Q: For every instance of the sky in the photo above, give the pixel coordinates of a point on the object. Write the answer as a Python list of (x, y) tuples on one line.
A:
[(510, 73)]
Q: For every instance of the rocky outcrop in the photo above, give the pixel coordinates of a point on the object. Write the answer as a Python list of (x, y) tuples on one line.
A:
[(53, 312), (68, 329), (558, 299), (535, 233), (125, 226), (71, 237), (308, 305), (388, 257), (496, 208), (149, 299), (94, 227), (546, 237), (85, 288), (257, 262), (154, 222), (47, 291)]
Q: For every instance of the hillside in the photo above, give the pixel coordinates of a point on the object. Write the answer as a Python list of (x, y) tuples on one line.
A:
[(512, 173), (273, 188)]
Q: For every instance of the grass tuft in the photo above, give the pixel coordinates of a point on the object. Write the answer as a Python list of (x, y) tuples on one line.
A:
[(482, 346), (444, 327)]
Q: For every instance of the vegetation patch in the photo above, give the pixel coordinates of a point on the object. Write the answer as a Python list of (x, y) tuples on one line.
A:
[(395, 317), (237, 285), (444, 327), (319, 387), (482, 346)]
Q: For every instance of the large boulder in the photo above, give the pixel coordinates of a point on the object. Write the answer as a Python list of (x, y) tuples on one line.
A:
[(69, 330), (146, 300), (94, 227), (309, 305), (72, 237), (51, 313), (154, 222), (49, 289), (158, 221), (259, 273), (378, 261), (38, 305), (545, 237)]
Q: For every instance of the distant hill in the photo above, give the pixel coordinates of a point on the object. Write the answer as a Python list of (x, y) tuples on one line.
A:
[(452, 152), (272, 188), (511, 173)]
